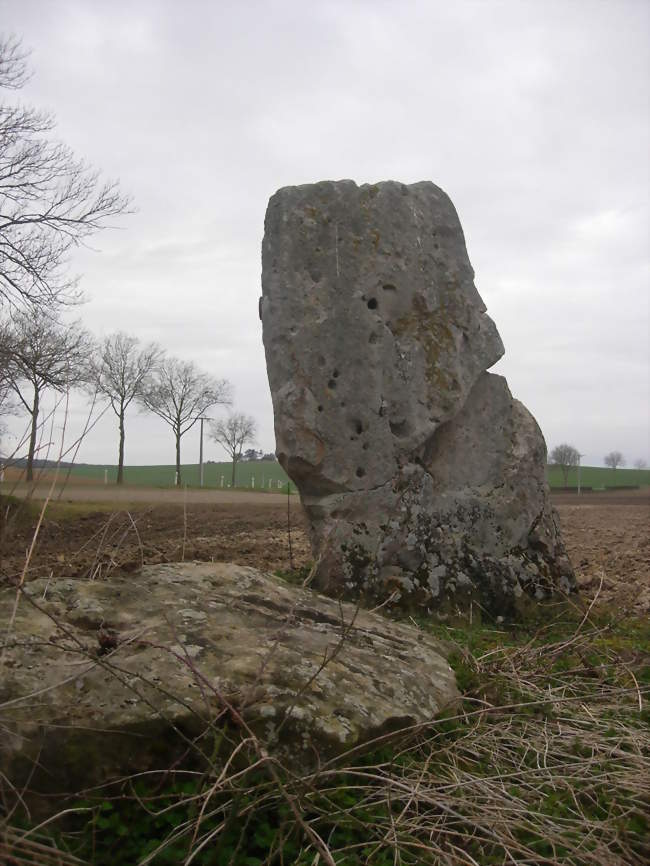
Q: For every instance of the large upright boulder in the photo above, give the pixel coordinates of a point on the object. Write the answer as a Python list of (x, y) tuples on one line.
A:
[(422, 478)]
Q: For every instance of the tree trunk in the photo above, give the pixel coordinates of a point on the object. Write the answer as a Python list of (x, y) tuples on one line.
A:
[(234, 464), (178, 458), (120, 458), (565, 472), (32, 438)]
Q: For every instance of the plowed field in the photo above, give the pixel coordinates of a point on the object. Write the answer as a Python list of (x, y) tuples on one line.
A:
[(607, 536)]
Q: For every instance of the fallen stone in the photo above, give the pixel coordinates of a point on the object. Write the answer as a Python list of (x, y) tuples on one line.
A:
[(422, 478), (103, 679)]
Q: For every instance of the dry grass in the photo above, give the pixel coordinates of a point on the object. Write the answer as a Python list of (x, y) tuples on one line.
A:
[(16, 850), (546, 761)]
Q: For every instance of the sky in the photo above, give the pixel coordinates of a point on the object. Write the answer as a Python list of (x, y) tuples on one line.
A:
[(534, 117)]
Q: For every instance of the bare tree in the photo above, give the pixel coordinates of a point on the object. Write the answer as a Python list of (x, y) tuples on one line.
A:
[(566, 457), (43, 353), (614, 459), (232, 433), (50, 201), (640, 463), (180, 393), (7, 405), (121, 372)]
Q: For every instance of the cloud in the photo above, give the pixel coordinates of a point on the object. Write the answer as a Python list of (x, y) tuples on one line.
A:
[(533, 117)]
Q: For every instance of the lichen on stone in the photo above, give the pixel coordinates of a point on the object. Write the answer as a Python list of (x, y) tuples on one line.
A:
[(428, 484)]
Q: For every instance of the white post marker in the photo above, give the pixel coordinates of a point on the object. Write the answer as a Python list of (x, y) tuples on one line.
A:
[(579, 458), (105, 476), (222, 480), (253, 482), (270, 482)]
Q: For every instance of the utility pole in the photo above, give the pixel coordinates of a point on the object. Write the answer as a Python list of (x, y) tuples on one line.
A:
[(201, 419)]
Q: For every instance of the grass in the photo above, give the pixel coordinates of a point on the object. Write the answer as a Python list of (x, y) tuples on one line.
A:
[(598, 477), (264, 475), (262, 471), (265, 471), (546, 760)]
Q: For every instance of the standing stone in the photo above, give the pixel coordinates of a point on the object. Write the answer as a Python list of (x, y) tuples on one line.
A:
[(422, 478)]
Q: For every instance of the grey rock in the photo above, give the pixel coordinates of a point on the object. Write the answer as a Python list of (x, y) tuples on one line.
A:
[(311, 678), (423, 480)]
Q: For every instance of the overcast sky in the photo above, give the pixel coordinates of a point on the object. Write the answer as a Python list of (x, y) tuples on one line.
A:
[(532, 116)]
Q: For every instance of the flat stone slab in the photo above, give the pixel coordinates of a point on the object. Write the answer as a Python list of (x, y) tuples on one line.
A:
[(96, 676)]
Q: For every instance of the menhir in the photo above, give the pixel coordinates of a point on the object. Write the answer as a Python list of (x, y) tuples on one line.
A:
[(422, 478)]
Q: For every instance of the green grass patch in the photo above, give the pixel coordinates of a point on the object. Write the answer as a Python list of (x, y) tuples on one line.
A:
[(269, 475), (264, 475), (598, 477)]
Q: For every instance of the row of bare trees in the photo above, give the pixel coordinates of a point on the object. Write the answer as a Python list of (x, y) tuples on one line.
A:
[(50, 203), (567, 457), (39, 352), (176, 391)]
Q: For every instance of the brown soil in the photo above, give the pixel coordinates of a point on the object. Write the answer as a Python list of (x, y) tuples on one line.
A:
[(608, 539), (94, 543), (606, 536)]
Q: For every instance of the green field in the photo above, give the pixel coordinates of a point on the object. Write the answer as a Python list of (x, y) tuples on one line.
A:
[(599, 478), (265, 471), (262, 474)]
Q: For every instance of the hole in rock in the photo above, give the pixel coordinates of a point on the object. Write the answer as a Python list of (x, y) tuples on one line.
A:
[(335, 374), (359, 428), (372, 304), (373, 338), (399, 428), (331, 383), (365, 446), (389, 287), (320, 408), (360, 472)]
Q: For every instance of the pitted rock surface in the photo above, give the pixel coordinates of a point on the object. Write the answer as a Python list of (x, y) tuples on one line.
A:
[(423, 479), (310, 676)]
